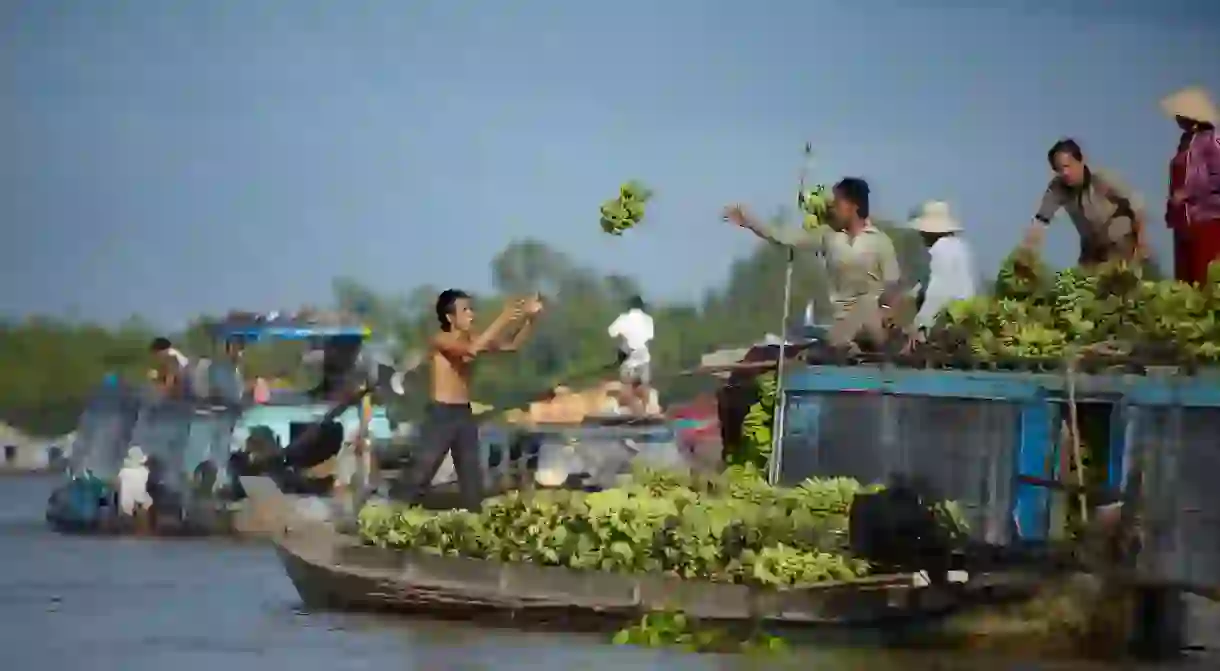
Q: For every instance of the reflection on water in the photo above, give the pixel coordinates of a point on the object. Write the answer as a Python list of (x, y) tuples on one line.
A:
[(190, 605)]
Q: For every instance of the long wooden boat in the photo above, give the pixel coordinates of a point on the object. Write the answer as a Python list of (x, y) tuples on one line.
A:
[(336, 571)]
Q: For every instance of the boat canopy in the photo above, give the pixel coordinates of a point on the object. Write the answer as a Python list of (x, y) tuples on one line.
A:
[(256, 329)]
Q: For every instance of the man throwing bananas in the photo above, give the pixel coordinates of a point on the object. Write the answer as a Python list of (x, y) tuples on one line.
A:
[(861, 264)]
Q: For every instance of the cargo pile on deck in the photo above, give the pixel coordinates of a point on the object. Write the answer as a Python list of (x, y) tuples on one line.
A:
[(733, 528), (1108, 316)]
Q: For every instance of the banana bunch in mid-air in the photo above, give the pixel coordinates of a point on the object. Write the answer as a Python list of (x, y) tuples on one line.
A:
[(624, 212), (815, 206)]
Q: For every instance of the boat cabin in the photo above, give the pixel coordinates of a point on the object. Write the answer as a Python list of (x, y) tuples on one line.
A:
[(198, 443)]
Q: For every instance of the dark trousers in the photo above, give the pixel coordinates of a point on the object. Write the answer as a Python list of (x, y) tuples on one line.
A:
[(448, 427)]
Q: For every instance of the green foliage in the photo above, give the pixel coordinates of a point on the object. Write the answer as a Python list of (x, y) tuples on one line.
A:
[(1036, 314), (732, 528), (626, 210), (51, 366), (676, 629)]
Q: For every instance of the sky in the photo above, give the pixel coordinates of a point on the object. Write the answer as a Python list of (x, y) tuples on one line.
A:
[(174, 158)]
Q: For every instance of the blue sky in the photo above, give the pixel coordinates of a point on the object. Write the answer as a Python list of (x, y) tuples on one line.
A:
[(169, 158)]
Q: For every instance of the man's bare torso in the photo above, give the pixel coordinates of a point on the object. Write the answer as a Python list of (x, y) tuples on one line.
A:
[(450, 378)]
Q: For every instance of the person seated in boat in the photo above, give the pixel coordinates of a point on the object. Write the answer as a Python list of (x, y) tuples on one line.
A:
[(861, 263), (634, 330), (169, 372), (133, 494), (449, 425)]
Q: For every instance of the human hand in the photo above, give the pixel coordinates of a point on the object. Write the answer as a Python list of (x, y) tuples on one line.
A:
[(736, 215), (533, 305)]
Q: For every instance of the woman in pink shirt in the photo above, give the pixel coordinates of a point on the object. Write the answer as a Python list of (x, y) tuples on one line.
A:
[(1193, 209)]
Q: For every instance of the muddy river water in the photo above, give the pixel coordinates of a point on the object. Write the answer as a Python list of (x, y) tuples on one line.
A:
[(202, 605)]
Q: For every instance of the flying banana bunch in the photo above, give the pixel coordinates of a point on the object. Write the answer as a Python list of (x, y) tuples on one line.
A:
[(624, 212), (815, 206)]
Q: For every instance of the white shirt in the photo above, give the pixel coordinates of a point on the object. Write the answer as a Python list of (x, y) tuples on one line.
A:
[(634, 330), (951, 278), (183, 362), (133, 489)]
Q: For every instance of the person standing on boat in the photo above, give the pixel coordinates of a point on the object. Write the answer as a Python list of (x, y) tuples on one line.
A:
[(449, 425), (169, 366), (133, 483), (1108, 215), (634, 330), (861, 263), (1193, 210), (951, 270)]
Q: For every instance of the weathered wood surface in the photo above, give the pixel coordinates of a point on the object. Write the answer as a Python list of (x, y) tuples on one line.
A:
[(336, 571)]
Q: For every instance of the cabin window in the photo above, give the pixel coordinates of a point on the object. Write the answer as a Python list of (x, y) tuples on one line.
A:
[(10, 454)]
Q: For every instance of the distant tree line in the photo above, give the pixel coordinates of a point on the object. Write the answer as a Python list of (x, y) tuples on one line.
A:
[(48, 367)]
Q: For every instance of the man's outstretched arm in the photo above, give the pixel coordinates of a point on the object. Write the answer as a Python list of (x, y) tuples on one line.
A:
[(787, 237)]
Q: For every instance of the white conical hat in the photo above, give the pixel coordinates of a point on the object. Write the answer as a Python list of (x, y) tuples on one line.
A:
[(1192, 103), (934, 217)]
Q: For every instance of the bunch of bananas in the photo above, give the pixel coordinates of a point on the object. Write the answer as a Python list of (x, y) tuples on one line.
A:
[(1037, 314), (624, 212), (814, 204)]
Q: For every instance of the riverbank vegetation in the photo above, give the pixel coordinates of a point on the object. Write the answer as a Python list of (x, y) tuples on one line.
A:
[(52, 365)]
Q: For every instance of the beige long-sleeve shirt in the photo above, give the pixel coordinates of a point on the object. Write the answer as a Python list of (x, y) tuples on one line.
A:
[(857, 267)]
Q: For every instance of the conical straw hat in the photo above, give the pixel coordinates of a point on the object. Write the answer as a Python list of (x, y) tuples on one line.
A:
[(1192, 103)]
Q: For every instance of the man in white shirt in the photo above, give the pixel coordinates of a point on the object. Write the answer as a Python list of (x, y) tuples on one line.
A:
[(171, 367), (951, 270), (133, 482), (634, 329)]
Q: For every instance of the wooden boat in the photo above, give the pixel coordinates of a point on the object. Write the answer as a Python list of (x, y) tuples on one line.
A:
[(336, 571)]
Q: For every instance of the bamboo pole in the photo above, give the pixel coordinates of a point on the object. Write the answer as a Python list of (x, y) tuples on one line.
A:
[(777, 427)]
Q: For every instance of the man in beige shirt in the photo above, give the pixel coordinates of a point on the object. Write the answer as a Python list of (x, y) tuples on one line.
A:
[(861, 263), (1108, 215)]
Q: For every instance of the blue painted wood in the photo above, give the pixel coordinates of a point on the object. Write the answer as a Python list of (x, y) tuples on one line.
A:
[(1196, 391), (1035, 446), (944, 384), (1122, 439)]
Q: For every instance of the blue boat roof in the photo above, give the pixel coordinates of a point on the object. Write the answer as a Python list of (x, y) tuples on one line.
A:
[(289, 330)]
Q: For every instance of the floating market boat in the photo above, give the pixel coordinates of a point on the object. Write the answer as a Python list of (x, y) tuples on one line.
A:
[(333, 570), (198, 446)]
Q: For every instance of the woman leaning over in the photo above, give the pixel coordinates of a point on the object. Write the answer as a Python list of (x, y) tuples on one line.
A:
[(1193, 210)]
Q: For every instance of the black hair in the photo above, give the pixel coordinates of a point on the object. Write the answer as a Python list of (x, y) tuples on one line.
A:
[(160, 344), (635, 303), (855, 191), (446, 303), (1065, 146)]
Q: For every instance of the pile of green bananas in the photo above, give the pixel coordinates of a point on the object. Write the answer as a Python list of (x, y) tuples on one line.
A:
[(624, 212), (1035, 314), (730, 528), (814, 204)]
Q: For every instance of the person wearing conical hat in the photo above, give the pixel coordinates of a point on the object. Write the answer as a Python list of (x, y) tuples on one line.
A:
[(951, 269), (1193, 209)]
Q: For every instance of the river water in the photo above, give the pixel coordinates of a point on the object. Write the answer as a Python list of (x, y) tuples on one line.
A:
[(128, 604)]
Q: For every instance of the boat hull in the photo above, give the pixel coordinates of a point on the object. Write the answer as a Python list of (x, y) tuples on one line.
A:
[(334, 571)]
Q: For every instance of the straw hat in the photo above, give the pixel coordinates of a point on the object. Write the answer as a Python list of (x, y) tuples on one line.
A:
[(135, 457), (934, 217), (1192, 103)]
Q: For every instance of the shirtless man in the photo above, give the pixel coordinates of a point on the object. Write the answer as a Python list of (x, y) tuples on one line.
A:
[(449, 424)]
